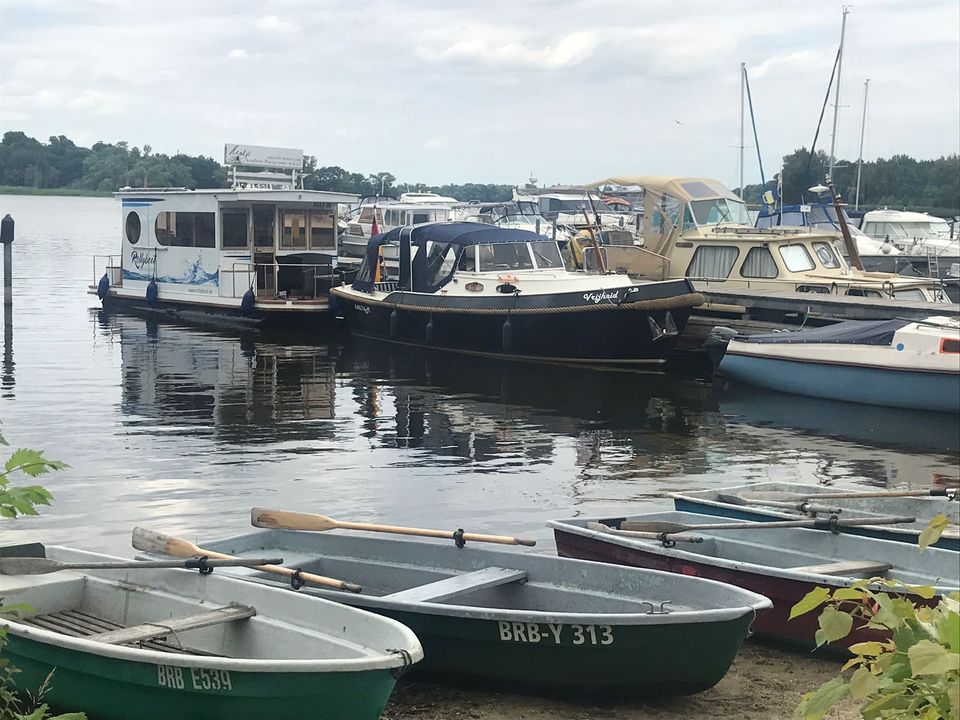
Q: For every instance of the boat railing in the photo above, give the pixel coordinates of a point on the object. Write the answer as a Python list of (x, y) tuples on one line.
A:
[(111, 265), (285, 281)]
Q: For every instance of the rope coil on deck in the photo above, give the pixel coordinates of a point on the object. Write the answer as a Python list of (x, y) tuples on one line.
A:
[(673, 302)]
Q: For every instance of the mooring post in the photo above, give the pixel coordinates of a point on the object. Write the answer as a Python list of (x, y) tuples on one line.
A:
[(6, 237)]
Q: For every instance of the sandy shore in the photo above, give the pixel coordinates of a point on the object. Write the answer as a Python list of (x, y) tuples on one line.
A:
[(765, 683)]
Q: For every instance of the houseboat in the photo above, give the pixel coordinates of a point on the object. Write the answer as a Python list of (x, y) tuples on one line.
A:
[(476, 288), (241, 256)]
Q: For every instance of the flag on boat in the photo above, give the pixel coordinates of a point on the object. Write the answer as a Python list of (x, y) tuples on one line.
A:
[(374, 230)]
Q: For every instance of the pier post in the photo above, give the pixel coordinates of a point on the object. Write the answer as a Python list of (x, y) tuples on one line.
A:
[(6, 237)]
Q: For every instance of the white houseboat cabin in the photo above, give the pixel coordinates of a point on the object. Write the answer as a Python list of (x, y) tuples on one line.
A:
[(250, 255)]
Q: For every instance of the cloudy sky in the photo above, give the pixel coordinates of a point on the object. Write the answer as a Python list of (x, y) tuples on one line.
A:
[(441, 90)]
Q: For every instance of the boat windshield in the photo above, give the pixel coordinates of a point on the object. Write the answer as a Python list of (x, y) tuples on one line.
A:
[(495, 257), (720, 210), (573, 207), (547, 254)]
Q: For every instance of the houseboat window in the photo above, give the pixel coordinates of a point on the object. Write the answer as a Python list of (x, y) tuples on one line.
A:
[(264, 217), (233, 226), (547, 254), (759, 263), (796, 258), (713, 262), (912, 294), (504, 256), (421, 217), (133, 227), (321, 231), (294, 230), (393, 217), (825, 255), (186, 229)]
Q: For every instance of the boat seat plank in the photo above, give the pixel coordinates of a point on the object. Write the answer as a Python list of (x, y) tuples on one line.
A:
[(847, 567), (149, 631), (458, 585)]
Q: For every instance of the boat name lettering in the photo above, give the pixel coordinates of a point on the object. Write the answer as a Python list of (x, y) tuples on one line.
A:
[(527, 632), (170, 676), (140, 259), (361, 308), (598, 297)]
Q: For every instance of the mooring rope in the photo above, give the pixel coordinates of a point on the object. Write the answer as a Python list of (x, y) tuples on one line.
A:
[(673, 302)]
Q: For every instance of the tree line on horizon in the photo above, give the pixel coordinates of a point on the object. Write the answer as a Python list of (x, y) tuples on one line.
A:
[(900, 181)]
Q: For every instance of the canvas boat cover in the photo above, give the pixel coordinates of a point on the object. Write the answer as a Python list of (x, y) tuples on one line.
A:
[(850, 332)]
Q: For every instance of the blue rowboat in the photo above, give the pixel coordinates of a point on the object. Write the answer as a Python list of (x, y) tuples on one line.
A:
[(895, 363), (712, 502)]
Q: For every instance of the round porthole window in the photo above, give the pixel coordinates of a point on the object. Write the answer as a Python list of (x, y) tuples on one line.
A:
[(133, 227)]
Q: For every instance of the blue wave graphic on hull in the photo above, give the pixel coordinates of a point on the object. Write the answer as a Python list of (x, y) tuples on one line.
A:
[(195, 275)]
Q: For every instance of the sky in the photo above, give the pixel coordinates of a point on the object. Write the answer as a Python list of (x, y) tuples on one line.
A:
[(442, 91)]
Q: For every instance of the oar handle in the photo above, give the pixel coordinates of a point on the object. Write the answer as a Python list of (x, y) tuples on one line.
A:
[(157, 542)]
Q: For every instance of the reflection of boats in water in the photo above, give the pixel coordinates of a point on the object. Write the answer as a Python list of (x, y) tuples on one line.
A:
[(237, 388), (884, 427)]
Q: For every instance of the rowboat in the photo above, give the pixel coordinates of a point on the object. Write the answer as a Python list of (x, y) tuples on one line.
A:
[(718, 502), (782, 563), (897, 363), (140, 644), (535, 622)]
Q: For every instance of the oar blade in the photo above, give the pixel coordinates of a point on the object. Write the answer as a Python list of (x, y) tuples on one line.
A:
[(27, 566), (160, 544), (286, 520)]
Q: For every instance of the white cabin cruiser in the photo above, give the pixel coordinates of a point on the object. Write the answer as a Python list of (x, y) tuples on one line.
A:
[(912, 232), (244, 256), (413, 208)]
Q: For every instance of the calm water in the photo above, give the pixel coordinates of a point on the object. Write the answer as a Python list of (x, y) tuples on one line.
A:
[(183, 430)]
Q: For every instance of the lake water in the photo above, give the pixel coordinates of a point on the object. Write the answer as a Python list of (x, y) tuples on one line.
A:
[(183, 430)]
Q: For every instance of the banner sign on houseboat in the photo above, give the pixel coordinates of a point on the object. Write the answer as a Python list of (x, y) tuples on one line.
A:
[(265, 157)]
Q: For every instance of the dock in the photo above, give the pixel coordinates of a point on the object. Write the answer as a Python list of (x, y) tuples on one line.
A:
[(829, 306)]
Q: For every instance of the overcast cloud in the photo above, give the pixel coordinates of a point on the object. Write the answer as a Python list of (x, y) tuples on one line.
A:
[(435, 91)]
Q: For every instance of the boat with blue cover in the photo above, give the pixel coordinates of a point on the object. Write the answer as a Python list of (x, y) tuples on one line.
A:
[(896, 363), (739, 502), (475, 288)]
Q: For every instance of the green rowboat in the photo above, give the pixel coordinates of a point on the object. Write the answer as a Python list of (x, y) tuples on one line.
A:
[(237, 651), (528, 621)]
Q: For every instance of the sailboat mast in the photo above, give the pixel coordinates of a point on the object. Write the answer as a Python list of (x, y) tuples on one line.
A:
[(836, 97), (863, 126), (743, 75)]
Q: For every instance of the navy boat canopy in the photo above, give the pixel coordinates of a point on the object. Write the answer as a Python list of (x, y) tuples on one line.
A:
[(849, 332), (429, 274), (457, 233)]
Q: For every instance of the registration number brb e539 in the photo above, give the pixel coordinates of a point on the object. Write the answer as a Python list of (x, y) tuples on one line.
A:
[(556, 634), (186, 678)]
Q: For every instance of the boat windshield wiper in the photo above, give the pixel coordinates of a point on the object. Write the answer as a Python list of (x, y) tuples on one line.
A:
[(726, 214)]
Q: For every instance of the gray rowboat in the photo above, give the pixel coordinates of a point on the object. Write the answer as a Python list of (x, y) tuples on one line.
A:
[(142, 644)]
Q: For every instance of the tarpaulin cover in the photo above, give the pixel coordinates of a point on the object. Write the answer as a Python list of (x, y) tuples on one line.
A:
[(850, 332)]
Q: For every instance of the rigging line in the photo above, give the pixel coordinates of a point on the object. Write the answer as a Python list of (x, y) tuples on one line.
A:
[(823, 110), (753, 121)]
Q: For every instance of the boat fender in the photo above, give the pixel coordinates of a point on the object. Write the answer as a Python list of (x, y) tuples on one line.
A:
[(428, 334), (393, 323), (152, 292), (103, 287), (506, 335), (247, 303)]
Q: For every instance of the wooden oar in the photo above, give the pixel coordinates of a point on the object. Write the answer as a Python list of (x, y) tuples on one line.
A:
[(283, 520), (803, 506), (661, 536), (41, 566), (797, 496), (665, 526), (154, 542)]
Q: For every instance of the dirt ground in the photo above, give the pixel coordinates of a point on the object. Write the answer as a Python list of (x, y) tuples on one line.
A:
[(765, 683)]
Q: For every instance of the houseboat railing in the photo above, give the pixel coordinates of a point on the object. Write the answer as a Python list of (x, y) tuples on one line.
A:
[(111, 267), (245, 275)]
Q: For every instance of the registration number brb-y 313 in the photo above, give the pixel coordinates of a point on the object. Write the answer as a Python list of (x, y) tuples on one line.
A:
[(556, 633)]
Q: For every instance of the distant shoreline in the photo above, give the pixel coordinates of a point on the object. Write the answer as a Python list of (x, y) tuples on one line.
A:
[(76, 192)]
